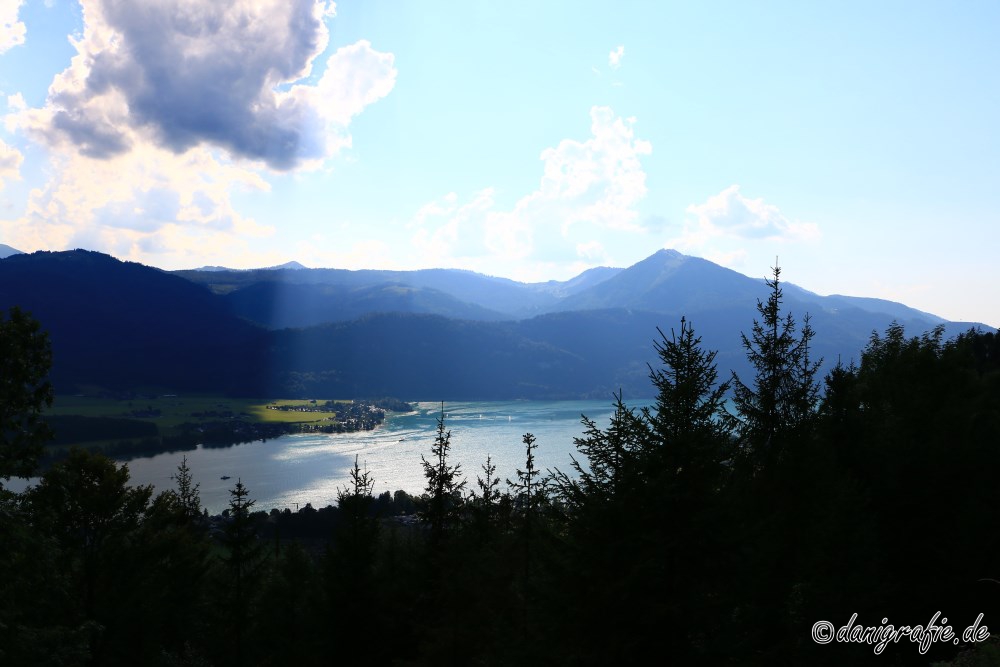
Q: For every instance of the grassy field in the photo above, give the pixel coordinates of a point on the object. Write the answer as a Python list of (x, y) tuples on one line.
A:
[(170, 411), (145, 424)]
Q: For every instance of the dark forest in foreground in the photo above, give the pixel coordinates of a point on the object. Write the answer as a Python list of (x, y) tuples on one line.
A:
[(685, 532)]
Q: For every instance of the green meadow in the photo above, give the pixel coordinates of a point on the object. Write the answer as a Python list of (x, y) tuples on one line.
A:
[(101, 420), (180, 409)]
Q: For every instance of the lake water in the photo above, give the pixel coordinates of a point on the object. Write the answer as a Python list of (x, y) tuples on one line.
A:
[(293, 470)]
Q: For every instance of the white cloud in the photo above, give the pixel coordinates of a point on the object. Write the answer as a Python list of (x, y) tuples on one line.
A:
[(598, 180), (15, 105), (730, 214), (444, 228), (183, 73), (171, 106), (730, 258), (10, 163), (355, 77), (726, 225), (12, 31), (615, 57), (591, 250), (587, 195), (147, 202)]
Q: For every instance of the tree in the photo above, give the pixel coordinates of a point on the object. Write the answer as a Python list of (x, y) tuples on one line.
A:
[(188, 496), (443, 485), (489, 493), (350, 565), (606, 537), (611, 455), (243, 561), (178, 568), (486, 504), (38, 624), (778, 468), (357, 536), (783, 395), (25, 359), (679, 552), (527, 496), (95, 517), (686, 420)]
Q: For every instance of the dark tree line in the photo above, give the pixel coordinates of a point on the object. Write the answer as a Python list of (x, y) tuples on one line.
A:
[(714, 526)]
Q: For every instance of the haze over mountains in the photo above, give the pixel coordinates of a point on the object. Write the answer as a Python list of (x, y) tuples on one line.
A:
[(431, 334), (7, 251)]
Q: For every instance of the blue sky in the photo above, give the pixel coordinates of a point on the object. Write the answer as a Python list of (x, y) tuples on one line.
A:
[(856, 141)]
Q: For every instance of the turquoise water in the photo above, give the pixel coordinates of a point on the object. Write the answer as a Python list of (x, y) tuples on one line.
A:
[(291, 471)]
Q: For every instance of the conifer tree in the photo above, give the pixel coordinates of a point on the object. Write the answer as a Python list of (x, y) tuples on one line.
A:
[(686, 422), (357, 537), (243, 561), (95, 517), (443, 485), (188, 495), (611, 458), (527, 494), (350, 564), (783, 394), (486, 503), (489, 493), (677, 525)]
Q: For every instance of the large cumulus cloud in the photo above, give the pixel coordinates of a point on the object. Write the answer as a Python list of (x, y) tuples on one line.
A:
[(728, 226), (731, 214), (146, 203), (585, 206), (233, 75)]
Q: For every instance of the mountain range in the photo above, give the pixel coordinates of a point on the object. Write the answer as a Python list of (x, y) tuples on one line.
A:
[(430, 334), (7, 251)]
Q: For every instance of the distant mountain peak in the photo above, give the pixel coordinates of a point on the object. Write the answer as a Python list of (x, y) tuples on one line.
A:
[(7, 251), (287, 265), (668, 253), (213, 268)]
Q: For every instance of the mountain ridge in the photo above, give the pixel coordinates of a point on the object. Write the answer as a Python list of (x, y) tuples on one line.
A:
[(666, 281), (7, 251), (120, 325)]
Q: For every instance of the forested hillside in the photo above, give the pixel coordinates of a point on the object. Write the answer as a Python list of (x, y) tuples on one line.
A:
[(119, 326)]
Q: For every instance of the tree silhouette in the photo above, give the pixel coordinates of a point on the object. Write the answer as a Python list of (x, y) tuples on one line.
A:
[(485, 505), (443, 485), (243, 561), (94, 517), (783, 394), (188, 495), (527, 495), (357, 534), (350, 565), (25, 358), (687, 419), (611, 459)]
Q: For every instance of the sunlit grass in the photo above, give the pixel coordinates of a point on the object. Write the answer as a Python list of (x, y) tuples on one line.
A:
[(170, 411)]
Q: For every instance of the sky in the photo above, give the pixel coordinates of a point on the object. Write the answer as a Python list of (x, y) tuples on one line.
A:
[(856, 142)]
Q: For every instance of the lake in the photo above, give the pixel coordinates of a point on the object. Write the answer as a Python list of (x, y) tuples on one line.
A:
[(293, 470)]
